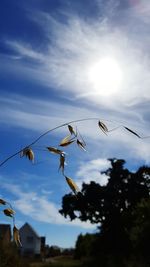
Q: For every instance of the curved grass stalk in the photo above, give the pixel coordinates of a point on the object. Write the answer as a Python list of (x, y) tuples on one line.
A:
[(63, 125), (42, 135)]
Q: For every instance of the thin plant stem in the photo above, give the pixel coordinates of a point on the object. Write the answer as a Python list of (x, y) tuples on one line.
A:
[(57, 127), (42, 135)]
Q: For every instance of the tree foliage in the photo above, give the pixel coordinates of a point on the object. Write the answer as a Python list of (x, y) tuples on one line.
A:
[(105, 204), (121, 210)]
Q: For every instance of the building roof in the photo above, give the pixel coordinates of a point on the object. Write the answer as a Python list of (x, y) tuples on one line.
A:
[(31, 229)]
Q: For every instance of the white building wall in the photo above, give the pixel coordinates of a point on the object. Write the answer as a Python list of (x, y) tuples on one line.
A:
[(30, 241)]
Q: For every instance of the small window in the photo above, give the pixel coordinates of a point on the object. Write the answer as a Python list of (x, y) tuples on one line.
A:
[(30, 239)]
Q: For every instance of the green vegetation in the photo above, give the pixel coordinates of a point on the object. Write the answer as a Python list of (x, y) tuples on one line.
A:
[(122, 211), (61, 261), (9, 256)]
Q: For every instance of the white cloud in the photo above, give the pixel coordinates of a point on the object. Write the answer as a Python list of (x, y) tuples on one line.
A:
[(39, 115), (39, 208), (24, 50), (27, 112), (46, 192), (72, 48), (71, 52), (91, 171), (64, 67)]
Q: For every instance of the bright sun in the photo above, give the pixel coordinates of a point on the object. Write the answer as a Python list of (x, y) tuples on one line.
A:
[(105, 76)]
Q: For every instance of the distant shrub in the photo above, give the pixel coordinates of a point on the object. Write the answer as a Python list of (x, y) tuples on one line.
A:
[(9, 257)]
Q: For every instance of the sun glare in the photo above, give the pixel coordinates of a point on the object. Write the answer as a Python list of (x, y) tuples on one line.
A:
[(105, 77)]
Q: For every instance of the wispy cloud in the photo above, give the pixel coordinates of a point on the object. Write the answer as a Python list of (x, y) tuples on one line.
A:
[(27, 113), (24, 50), (70, 53), (39, 208), (72, 47), (65, 64)]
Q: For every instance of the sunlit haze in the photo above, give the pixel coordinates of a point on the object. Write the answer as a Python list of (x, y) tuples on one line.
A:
[(105, 76)]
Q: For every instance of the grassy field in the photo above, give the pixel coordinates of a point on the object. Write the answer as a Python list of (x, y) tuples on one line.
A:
[(62, 261)]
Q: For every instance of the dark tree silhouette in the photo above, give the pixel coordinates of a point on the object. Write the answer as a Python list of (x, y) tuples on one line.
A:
[(105, 204), (114, 208)]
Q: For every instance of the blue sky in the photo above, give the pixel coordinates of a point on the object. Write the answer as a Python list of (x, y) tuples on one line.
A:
[(62, 61)]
